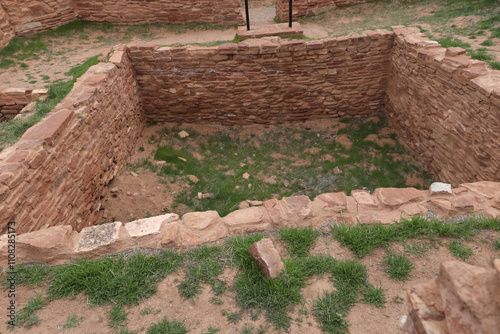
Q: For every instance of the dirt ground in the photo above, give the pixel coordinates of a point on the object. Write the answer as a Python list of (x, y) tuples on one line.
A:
[(201, 314)]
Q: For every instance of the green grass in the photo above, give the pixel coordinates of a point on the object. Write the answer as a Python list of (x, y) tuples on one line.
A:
[(374, 296), (117, 316), (363, 238), (458, 249), (452, 42), (26, 316), (72, 321), (13, 129), (168, 327), (203, 265), (298, 241), (397, 266), (32, 275), (227, 157), (121, 280), (488, 42), (496, 244)]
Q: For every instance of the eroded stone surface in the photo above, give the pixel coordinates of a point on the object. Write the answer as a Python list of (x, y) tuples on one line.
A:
[(251, 219), (101, 239), (147, 231), (267, 257)]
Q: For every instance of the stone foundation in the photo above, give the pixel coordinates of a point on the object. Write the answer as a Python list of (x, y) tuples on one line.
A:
[(386, 205)]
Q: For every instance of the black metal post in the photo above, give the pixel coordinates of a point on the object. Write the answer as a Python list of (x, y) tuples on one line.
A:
[(290, 14), (247, 15)]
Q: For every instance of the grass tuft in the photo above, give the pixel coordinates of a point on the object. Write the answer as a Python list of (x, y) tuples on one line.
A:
[(374, 296), (458, 249), (298, 241), (170, 327), (397, 266)]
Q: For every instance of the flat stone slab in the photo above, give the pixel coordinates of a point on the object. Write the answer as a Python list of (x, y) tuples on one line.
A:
[(439, 187), (148, 226), (97, 237), (280, 29), (267, 257)]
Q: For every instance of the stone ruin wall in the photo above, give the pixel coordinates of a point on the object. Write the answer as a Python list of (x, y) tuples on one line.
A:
[(58, 171), (265, 81), (445, 107), (26, 17), (301, 8), (14, 100)]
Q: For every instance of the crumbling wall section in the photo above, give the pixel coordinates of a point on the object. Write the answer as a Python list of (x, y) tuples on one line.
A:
[(265, 80), (57, 172), (445, 107), (13, 100), (6, 31)]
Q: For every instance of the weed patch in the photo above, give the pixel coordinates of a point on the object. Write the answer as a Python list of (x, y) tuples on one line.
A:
[(458, 249), (170, 327), (298, 241), (397, 266)]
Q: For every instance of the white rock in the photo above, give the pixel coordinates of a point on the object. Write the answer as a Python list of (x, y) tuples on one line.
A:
[(246, 176), (439, 187), (183, 134), (133, 174)]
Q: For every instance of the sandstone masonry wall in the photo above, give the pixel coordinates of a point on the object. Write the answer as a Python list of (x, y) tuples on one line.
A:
[(142, 11), (6, 31), (265, 80), (30, 16), (13, 100), (56, 173), (301, 8), (26, 17), (446, 108)]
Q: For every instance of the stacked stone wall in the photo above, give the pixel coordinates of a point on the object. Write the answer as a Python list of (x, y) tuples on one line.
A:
[(301, 8), (30, 16), (142, 11), (57, 172), (13, 100), (267, 80), (445, 107), (6, 31)]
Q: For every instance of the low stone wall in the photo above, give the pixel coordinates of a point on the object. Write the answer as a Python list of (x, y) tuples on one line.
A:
[(31, 16), (462, 299), (13, 100), (265, 80), (56, 173), (26, 17), (445, 106), (386, 205), (146, 11), (301, 8)]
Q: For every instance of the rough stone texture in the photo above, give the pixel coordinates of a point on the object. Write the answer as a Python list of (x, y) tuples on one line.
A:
[(57, 172), (302, 8), (201, 227), (254, 219), (51, 245), (446, 108), (13, 100), (180, 11), (27, 17), (266, 80), (6, 31), (102, 239), (280, 29), (267, 257), (146, 232), (462, 299)]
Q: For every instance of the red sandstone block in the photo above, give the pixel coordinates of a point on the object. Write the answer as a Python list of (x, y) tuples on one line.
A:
[(50, 128)]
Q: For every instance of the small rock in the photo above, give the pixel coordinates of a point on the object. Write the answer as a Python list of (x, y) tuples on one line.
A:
[(182, 159), (207, 195), (242, 164), (243, 205), (255, 203), (134, 174), (439, 187), (135, 194), (246, 176), (193, 179), (336, 170), (200, 195), (183, 134), (160, 163), (114, 190), (237, 187), (249, 185), (267, 257), (129, 193)]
